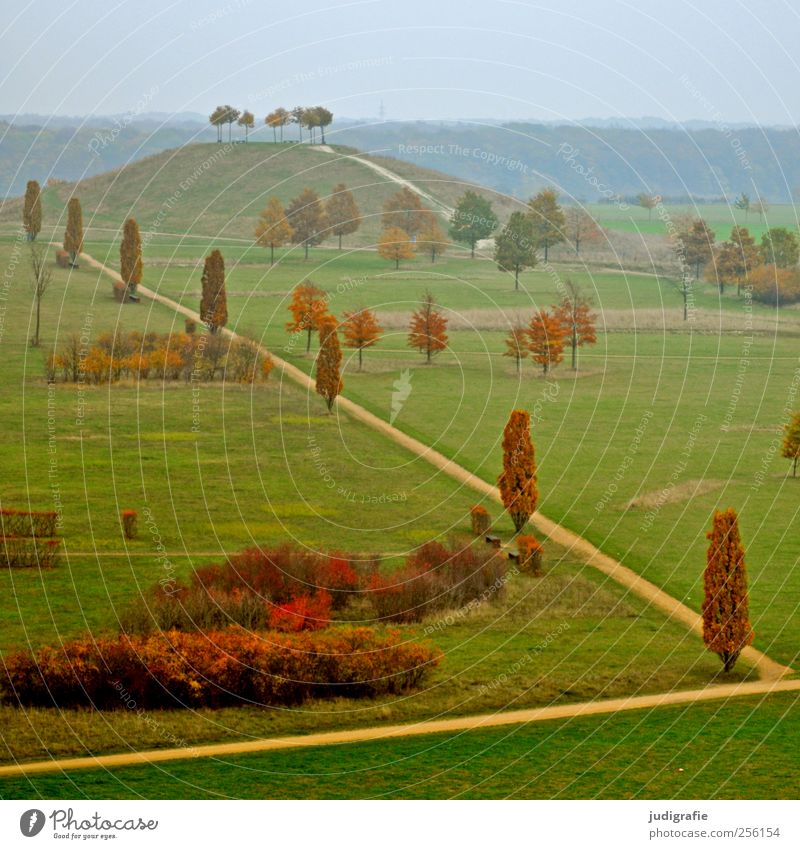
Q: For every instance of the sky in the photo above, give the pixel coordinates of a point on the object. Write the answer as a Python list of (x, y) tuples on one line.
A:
[(423, 59)]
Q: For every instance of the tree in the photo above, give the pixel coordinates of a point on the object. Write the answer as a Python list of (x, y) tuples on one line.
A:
[(323, 118), (726, 617), (735, 259), (546, 336), (278, 119), (329, 361), (296, 117), (577, 319), (395, 245), (404, 210), (229, 116), (517, 345), (41, 277), (547, 218), (431, 239), (306, 216), (695, 244), (473, 219), (515, 247), (213, 299), (428, 330), (743, 203), (309, 305), (779, 246), (775, 286), (517, 482), (130, 255), (361, 330), (217, 119), (248, 121), (32, 210), (761, 208), (649, 202), (791, 442), (73, 235), (273, 229), (342, 212), (580, 227)]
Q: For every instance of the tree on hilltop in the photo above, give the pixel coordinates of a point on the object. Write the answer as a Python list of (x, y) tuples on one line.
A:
[(248, 121), (278, 119)]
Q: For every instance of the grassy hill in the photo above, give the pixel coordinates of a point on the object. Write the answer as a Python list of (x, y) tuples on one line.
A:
[(217, 190)]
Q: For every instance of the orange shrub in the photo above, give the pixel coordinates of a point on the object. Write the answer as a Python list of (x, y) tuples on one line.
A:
[(481, 520), (529, 551), (219, 668)]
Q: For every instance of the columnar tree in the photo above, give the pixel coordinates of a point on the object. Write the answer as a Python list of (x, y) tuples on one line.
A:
[(248, 121), (306, 216), (329, 362), (395, 245), (779, 247), (431, 239), (73, 235), (213, 300), (273, 229), (41, 277), (726, 615), (515, 247), (130, 255), (546, 336), (342, 212), (428, 330), (547, 218), (309, 305), (361, 330), (404, 210), (473, 219), (577, 319), (791, 441), (517, 345), (32, 210), (517, 482)]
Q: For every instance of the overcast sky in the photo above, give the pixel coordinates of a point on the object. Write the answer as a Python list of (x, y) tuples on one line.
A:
[(718, 60)]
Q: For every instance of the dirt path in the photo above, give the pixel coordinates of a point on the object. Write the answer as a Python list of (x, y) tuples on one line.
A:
[(769, 670), (388, 732)]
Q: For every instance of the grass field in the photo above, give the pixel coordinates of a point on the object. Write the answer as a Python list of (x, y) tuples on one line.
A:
[(733, 750)]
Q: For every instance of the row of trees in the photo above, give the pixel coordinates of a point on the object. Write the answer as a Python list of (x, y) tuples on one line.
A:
[(313, 118)]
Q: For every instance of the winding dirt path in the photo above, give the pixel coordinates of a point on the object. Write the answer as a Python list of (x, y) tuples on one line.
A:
[(388, 732), (768, 669)]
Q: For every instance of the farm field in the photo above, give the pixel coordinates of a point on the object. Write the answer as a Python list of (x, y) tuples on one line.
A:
[(732, 750)]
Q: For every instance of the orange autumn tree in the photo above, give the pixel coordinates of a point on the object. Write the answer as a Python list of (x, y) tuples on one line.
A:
[(273, 229), (308, 306), (361, 330), (517, 483), (726, 616), (329, 361), (213, 300), (427, 332), (791, 442), (395, 245), (576, 317), (546, 336), (517, 345)]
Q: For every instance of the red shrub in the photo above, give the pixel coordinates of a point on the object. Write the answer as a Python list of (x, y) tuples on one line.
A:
[(219, 668), (31, 552), (304, 613), (129, 523), (22, 523)]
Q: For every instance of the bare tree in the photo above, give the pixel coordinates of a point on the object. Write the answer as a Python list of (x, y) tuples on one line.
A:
[(41, 277)]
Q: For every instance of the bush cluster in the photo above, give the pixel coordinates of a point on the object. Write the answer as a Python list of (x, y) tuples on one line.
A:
[(26, 538), (481, 520), (216, 669), (434, 578), (28, 524), (179, 356)]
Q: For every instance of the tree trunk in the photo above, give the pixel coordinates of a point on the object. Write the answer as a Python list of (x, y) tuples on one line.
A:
[(305, 245), (271, 253), (685, 293), (545, 250), (574, 348), (428, 352), (38, 309), (794, 467), (340, 241), (396, 264), (516, 278), (322, 130), (308, 341), (360, 352), (577, 247), (472, 250)]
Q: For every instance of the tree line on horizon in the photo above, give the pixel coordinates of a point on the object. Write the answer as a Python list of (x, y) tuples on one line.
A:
[(313, 118)]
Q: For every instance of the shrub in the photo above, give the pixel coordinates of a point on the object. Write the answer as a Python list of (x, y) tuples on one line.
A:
[(129, 523), (529, 553), (62, 258), (304, 613), (215, 669), (22, 523), (29, 551), (190, 326), (434, 578), (481, 521)]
